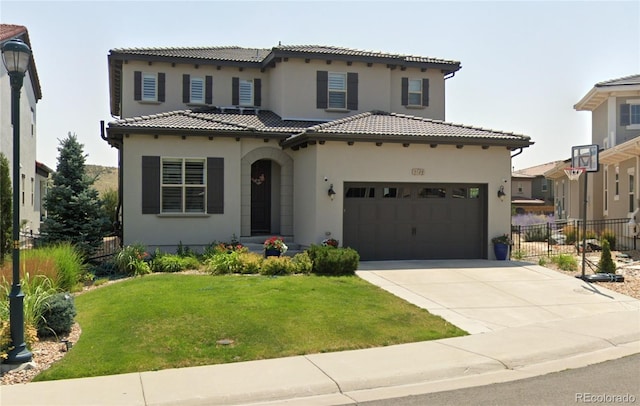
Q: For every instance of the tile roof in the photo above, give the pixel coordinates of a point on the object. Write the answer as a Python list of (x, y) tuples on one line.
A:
[(538, 170), (223, 53), (260, 55), (370, 126), (9, 31), (215, 120), (627, 80)]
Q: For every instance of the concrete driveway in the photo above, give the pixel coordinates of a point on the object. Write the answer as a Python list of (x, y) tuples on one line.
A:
[(481, 296)]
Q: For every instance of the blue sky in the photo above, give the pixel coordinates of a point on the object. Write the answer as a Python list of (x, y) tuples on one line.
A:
[(524, 63)]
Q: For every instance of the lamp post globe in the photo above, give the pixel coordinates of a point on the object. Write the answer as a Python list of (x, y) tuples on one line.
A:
[(15, 57)]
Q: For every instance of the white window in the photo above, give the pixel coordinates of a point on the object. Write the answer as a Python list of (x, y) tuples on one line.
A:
[(632, 188), (197, 90), (149, 87), (183, 185), (605, 196), (519, 187), (415, 92), (246, 92), (634, 114), (337, 90)]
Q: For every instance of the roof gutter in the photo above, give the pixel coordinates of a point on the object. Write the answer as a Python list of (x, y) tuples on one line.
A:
[(517, 153)]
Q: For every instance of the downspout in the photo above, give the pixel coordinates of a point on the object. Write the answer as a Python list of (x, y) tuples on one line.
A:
[(517, 153), (118, 224), (449, 75)]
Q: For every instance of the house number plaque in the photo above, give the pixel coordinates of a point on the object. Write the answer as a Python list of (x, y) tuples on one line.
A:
[(417, 171)]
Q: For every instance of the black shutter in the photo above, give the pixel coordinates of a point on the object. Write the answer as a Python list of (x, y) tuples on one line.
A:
[(235, 91), (160, 87), (352, 91), (257, 92), (405, 92), (322, 83), (425, 92), (215, 185), (186, 88), (625, 114), (208, 89), (137, 85), (150, 184)]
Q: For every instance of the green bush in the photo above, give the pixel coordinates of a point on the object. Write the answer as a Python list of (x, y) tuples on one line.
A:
[(329, 260), (216, 248), (224, 263), (250, 262), (536, 233), (565, 262), (174, 263), (131, 260), (277, 266), (606, 264), (57, 315), (302, 263)]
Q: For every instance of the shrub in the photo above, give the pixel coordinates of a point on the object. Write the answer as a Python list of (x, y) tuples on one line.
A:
[(224, 263), (302, 263), (131, 260), (277, 266), (250, 262), (57, 315), (565, 262), (216, 248), (609, 236), (606, 264), (174, 263), (536, 233), (329, 260)]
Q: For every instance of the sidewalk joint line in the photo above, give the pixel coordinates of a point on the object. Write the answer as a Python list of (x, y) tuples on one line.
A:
[(325, 374), (144, 397)]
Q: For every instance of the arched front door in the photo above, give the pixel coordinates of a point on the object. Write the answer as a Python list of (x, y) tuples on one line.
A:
[(261, 197)]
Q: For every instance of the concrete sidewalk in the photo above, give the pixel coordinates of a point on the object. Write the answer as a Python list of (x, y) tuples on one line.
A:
[(525, 321)]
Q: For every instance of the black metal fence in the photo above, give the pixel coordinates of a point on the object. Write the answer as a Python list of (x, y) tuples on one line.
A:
[(566, 237)]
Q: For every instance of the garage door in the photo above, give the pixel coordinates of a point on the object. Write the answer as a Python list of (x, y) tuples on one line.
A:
[(384, 221)]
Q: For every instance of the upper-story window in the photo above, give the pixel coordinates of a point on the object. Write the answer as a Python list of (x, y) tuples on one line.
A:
[(197, 89), (630, 113), (415, 92), (148, 86), (337, 90), (246, 92)]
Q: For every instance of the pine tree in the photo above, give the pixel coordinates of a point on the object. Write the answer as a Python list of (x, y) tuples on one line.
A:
[(606, 264), (74, 212), (6, 218)]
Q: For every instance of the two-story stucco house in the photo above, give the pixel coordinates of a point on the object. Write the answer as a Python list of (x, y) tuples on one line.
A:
[(33, 175), (615, 128), (305, 142), (531, 191)]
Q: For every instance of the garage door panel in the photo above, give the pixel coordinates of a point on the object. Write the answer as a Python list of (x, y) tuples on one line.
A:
[(417, 221)]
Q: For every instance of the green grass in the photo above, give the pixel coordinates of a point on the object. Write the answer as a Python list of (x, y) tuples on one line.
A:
[(171, 321)]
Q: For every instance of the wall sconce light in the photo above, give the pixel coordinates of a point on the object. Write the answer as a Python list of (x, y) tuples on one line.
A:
[(501, 193), (331, 192)]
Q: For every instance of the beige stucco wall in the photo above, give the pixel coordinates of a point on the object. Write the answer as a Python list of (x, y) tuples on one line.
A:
[(222, 85), (366, 162), (28, 209), (289, 89), (162, 230), (521, 183), (599, 130), (619, 205)]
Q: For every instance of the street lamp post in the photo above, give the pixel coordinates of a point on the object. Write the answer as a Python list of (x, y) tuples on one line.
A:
[(16, 56)]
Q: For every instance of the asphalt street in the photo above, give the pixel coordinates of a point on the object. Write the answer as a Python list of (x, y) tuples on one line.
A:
[(615, 382)]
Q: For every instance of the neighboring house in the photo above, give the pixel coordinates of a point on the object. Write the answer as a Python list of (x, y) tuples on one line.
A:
[(31, 93), (531, 191), (305, 142), (615, 127)]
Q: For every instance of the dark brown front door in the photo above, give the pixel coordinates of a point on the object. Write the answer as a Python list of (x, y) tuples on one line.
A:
[(261, 197)]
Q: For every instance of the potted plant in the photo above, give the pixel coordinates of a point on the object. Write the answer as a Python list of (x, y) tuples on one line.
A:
[(274, 247), (501, 246), (331, 242)]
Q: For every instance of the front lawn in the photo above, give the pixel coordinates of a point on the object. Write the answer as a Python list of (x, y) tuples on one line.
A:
[(175, 320)]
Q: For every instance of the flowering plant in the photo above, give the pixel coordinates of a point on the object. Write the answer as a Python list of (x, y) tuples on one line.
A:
[(502, 239), (275, 243), (331, 242)]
